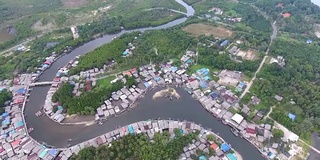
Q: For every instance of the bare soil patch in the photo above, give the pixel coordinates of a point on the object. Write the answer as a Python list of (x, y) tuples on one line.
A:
[(4, 36), (38, 26), (248, 55), (74, 3), (317, 30), (208, 30)]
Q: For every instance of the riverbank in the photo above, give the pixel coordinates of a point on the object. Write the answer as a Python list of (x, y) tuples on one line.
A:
[(55, 134), (220, 147)]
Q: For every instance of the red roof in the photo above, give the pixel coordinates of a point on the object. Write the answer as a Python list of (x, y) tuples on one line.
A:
[(17, 101), (133, 70), (251, 130), (88, 86), (214, 146), (286, 15), (16, 142), (18, 128), (1, 149), (47, 62), (191, 79), (99, 141), (57, 79), (128, 74)]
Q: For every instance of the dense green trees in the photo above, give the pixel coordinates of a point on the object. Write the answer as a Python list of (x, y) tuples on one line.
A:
[(298, 82), (253, 18), (130, 81), (211, 57), (87, 102), (102, 55), (5, 95), (303, 14), (139, 147), (168, 43), (63, 94), (277, 133), (107, 25)]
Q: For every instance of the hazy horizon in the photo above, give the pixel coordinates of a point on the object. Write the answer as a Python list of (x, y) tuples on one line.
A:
[(316, 2)]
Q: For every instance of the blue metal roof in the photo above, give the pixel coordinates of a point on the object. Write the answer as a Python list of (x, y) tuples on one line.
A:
[(225, 147), (292, 116), (231, 156), (60, 107), (22, 90), (6, 121), (53, 152), (5, 114), (202, 158), (131, 130), (224, 43), (203, 84), (19, 124)]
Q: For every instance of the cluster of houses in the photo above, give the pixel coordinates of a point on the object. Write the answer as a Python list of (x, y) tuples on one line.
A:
[(221, 149), (15, 141), (129, 50), (215, 97), (150, 127), (47, 63), (220, 101), (216, 10), (230, 78), (216, 14), (57, 114), (6, 82), (119, 102), (82, 82)]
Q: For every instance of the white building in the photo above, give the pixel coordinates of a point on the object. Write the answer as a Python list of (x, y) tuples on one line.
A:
[(74, 31)]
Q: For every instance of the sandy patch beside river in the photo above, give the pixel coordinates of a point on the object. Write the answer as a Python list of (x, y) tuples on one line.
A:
[(166, 92)]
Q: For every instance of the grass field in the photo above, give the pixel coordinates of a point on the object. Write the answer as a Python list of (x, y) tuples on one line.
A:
[(208, 30), (105, 82)]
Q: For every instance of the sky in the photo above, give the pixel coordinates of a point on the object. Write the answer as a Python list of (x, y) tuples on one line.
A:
[(317, 2)]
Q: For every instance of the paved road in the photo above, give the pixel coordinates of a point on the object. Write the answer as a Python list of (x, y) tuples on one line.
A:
[(273, 36), (18, 45)]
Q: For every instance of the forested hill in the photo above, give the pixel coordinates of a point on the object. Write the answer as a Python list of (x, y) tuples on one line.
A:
[(304, 14)]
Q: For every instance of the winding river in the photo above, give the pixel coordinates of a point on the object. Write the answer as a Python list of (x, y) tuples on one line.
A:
[(186, 108)]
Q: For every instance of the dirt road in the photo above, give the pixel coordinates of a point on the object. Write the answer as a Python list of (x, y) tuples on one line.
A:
[(273, 36)]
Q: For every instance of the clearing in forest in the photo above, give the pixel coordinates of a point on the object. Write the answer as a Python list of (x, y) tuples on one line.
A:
[(204, 29), (248, 55), (74, 3), (4, 36)]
